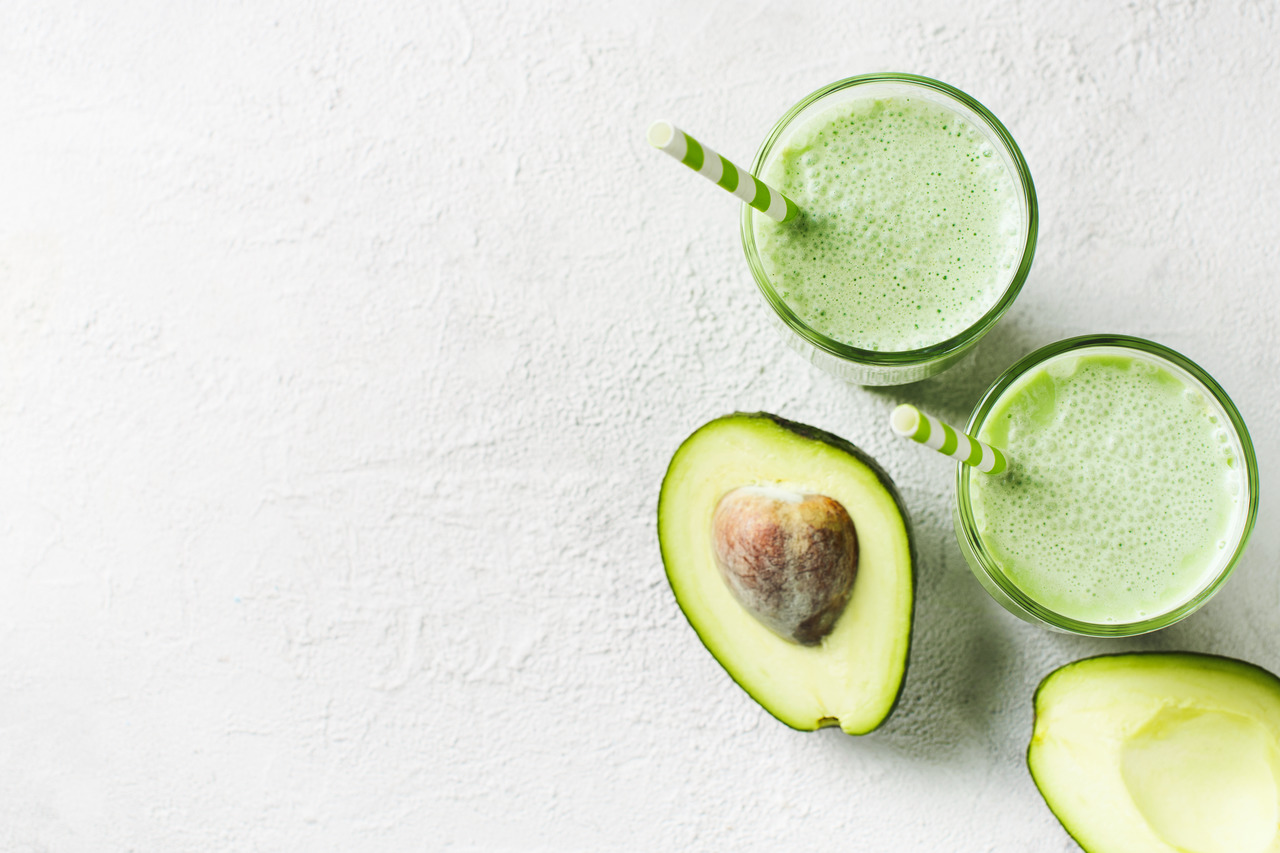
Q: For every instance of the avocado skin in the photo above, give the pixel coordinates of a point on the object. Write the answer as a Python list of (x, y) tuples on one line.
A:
[(813, 434), (1192, 658)]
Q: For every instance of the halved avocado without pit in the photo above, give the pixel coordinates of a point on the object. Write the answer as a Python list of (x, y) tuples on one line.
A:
[(1161, 753), (789, 552)]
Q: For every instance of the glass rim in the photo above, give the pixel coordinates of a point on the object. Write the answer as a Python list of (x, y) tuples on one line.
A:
[(1249, 468), (956, 343)]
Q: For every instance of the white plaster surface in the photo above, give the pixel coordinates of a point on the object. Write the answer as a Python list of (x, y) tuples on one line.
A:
[(343, 347)]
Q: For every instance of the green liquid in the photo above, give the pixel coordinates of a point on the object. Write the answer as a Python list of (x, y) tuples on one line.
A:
[(1123, 489), (912, 226)]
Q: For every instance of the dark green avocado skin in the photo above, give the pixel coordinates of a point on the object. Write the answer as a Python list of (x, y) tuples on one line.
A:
[(1035, 707), (815, 434)]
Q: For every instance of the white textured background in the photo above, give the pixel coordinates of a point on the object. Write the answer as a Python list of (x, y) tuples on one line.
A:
[(343, 347)]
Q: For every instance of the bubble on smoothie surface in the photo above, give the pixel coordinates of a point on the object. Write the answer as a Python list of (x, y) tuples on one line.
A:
[(911, 229), (1119, 501)]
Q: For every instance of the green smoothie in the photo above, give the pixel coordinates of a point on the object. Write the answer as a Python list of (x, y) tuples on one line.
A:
[(912, 225), (1124, 496)]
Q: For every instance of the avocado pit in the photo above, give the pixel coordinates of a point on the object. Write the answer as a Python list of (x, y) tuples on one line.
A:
[(788, 558)]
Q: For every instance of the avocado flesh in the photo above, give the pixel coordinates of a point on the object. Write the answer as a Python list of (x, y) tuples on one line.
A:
[(1161, 752), (853, 675)]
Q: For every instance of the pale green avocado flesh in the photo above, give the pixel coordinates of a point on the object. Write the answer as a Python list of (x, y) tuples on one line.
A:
[(1161, 752), (853, 675)]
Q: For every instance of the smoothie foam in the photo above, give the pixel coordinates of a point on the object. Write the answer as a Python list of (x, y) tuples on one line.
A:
[(1123, 492), (911, 229)]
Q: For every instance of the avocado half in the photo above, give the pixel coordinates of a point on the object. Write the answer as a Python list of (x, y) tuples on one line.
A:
[(1161, 752), (853, 676)]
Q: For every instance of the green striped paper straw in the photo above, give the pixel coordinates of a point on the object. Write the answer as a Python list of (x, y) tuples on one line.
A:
[(910, 422), (665, 136)]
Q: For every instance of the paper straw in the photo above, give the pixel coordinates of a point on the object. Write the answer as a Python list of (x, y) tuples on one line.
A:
[(910, 422), (667, 137)]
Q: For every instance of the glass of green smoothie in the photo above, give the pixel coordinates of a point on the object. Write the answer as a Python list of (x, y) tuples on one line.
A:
[(1130, 493), (917, 229)]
